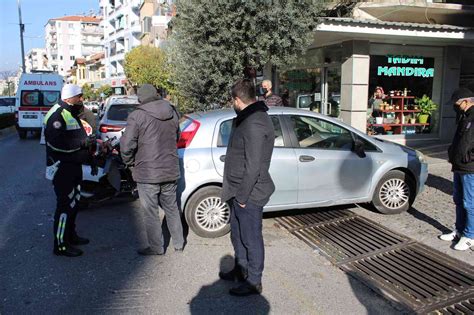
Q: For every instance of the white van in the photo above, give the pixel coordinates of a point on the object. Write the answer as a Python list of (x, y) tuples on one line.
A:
[(36, 94)]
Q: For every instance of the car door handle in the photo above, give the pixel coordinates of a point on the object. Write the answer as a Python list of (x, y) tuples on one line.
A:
[(306, 158), (222, 158)]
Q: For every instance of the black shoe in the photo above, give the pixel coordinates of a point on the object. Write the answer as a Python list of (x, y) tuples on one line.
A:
[(68, 251), (77, 240), (179, 250), (246, 289), (235, 274), (148, 252)]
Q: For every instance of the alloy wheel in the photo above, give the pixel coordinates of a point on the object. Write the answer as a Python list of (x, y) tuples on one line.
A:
[(394, 193), (212, 214)]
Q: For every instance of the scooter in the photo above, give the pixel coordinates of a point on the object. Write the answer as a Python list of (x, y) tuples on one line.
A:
[(111, 178)]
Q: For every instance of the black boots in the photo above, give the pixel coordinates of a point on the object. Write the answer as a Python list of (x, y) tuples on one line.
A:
[(236, 274), (246, 289), (148, 252), (77, 240), (68, 251)]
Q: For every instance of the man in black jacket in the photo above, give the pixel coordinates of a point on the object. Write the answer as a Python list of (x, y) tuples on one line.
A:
[(148, 146), (66, 148), (461, 156), (247, 186)]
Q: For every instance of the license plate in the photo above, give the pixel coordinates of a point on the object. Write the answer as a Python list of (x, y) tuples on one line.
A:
[(30, 116)]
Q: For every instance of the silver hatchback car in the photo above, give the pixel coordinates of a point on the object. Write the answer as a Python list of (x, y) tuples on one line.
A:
[(115, 116), (317, 161)]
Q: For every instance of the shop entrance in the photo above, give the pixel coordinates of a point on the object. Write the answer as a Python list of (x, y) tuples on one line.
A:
[(315, 89)]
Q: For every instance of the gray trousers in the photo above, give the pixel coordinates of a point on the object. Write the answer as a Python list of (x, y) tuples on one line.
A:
[(152, 196)]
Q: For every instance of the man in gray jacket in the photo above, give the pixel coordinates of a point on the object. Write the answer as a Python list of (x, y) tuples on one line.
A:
[(148, 146), (247, 186)]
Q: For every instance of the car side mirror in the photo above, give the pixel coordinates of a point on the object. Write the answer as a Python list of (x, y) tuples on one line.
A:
[(358, 148)]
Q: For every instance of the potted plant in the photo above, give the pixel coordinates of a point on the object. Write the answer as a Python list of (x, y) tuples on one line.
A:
[(426, 106)]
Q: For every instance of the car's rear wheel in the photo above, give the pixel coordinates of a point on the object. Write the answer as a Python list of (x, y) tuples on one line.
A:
[(394, 193), (206, 214)]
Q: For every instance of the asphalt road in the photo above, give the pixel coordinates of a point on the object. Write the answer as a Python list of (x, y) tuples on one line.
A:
[(110, 278)]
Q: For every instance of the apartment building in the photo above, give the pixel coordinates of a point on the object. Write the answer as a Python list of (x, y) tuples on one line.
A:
[(122, 31), (154, 19), (36, 59), (71, 37)]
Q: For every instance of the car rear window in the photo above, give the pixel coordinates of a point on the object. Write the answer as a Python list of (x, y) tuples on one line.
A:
[(120, 112), (39, 98)]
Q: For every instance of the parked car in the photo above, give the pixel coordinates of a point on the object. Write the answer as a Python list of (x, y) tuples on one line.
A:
[(115, 116), (93, 106), (106, 103), (317, 161), (7, 104)]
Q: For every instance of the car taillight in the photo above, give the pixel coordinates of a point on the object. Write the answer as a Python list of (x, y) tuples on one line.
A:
[(187, 134), (110, 128)]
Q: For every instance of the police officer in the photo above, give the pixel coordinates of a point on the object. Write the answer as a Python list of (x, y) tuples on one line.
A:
[(67, 147)]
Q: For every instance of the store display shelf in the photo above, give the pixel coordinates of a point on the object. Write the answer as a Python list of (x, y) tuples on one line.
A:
[(400, 111), (399, 125)]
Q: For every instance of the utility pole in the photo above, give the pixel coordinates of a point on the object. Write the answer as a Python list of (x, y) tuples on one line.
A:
[(22, 30)]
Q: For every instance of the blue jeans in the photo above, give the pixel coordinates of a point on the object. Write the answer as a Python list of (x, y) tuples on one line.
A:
[(463, 196), (247, 239)]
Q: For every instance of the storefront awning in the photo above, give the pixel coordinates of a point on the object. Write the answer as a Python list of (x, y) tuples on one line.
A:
[(332, 30)]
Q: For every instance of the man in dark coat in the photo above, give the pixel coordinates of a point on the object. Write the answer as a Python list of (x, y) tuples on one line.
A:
[(148, 146), (268, 97), (247, 186), (461, 157)]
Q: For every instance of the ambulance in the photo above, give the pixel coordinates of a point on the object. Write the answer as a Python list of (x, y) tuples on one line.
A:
[(36, 94)]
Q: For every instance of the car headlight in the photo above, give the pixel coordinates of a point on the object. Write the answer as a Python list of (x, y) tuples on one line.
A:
[(420, 156)]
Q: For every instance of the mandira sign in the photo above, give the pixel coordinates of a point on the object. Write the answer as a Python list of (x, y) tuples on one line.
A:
[(405, 66)]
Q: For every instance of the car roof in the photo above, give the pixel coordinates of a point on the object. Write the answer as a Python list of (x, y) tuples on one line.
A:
[(124, 100), (214, 115)]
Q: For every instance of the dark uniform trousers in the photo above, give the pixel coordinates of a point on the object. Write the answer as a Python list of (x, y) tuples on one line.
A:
[(247, 239), (67, 187)]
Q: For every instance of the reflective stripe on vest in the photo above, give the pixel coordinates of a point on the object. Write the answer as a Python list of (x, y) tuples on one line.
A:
[(71, 122)]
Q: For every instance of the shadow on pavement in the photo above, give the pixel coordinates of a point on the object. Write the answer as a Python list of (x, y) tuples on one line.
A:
[(215, 298), (427, 219), (440, 183)]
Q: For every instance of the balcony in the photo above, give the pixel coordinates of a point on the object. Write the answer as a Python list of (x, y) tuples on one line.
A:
[(52, 30), (92, 31), (54, 51)]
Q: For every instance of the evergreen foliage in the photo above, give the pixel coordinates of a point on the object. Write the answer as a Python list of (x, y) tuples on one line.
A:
[(214, 43)]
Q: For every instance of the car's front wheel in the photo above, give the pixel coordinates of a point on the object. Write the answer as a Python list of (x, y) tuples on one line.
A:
[(206, 214), (394, 193)]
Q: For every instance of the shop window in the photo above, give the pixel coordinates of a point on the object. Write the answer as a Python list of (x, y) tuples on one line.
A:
[(395, 84)]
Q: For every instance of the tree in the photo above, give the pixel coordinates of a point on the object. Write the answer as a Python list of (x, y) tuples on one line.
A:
[(89, 93), (215, 43), (7, 76), (106, 89), (146, 64)]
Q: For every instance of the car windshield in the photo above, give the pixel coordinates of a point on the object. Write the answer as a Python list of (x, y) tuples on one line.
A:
[(120, 111)]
